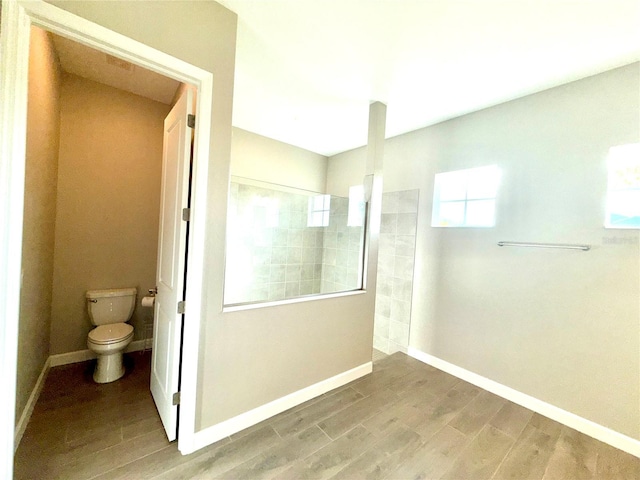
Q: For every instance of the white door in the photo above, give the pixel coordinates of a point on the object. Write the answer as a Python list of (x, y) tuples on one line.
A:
[(170, 273)]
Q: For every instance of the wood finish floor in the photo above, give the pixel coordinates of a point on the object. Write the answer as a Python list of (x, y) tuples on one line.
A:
[(406, 420)]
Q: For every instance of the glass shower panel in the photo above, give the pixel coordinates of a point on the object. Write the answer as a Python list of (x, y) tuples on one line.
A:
[(285, 243)]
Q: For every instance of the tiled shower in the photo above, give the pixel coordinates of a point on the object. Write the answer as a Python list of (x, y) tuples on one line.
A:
[(342, 250), (396, 257), (274, 253)]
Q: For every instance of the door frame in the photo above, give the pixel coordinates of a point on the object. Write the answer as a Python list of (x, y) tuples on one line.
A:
[(17, 18)]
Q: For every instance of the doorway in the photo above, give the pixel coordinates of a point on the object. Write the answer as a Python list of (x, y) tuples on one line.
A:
[(99, 171), (17, 19)]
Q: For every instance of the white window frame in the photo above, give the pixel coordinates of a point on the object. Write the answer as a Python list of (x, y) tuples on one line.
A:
[(314, 209), (622, 157), (465, 179)]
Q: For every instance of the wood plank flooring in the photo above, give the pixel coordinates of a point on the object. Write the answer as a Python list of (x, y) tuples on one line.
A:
[(406, 420)]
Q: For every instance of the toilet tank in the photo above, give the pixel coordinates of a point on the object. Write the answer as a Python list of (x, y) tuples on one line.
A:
[(111, 306)]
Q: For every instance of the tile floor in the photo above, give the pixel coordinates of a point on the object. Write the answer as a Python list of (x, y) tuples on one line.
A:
[(406, 420)]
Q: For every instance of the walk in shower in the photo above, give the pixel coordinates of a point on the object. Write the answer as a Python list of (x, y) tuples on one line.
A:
[(284, 242)]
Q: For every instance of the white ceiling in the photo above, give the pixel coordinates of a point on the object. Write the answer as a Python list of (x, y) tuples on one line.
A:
[(100, 67), (306, 70)]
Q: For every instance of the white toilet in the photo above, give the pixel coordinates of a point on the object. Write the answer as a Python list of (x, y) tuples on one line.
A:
[(109, 310)]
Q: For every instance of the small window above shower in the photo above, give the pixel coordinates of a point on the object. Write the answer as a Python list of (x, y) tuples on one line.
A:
[(319, 211)]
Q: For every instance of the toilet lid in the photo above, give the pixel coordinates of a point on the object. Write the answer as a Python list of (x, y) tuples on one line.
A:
[(111, 333)]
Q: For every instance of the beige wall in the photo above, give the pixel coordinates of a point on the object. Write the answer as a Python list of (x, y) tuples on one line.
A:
[(261, 158), (559, 325), (43, 123), (108, 202), (344, 170)]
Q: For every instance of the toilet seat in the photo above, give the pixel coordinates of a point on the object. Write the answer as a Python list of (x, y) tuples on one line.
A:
[(112, 333)]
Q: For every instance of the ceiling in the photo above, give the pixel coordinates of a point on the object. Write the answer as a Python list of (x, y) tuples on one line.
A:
[(101, 67), (306, 70)]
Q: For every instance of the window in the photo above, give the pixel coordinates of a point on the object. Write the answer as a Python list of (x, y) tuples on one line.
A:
[(357, 205), (466, 198), (623, 188), (319, 206)]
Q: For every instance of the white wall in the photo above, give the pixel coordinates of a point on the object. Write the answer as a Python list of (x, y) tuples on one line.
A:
[(558, 325), (261, 158)]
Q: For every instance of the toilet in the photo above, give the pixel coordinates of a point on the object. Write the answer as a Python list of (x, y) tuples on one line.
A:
[(109, 310)]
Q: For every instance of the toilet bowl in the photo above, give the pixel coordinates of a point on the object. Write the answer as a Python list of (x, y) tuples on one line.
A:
[(108, 311), (108, 343)]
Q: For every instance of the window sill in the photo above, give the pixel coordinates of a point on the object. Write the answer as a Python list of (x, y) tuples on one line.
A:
[(308, 298)]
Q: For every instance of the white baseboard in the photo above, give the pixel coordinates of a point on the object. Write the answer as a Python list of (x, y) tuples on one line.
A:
[(588, 427), (84, 355), (31, 403), (245, 420)]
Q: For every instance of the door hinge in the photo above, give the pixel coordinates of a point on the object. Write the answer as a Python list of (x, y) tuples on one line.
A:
[(176, 399), (191, 121), (181, 306), (186, 214)]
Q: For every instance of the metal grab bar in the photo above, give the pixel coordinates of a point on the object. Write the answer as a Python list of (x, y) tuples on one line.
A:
[(545, 245)]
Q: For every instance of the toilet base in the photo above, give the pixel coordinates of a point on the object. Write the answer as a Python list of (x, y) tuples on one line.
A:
[(109, 368)]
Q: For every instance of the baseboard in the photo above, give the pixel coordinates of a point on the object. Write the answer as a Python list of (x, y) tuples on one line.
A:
[(245, 420), (588, 427), (84, 355), (31, 403)]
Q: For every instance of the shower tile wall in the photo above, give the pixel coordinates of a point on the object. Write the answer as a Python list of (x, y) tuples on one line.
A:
[(342, 250), (272, 253), (395, 270)]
